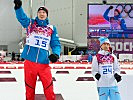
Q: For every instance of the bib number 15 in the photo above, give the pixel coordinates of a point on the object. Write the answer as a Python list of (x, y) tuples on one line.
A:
[(40, 43)]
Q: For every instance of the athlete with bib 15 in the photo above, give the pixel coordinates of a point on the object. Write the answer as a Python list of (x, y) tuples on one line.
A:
[(40, 34), (106, 70)]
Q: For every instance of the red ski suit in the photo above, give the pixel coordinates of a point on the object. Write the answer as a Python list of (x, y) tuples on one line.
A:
[(32, 70)]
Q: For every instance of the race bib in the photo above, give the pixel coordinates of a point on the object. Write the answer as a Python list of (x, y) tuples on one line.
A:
[(39, 41), (107, 69)]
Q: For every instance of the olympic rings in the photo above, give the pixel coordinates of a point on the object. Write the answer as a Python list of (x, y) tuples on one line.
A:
[(126, 10)]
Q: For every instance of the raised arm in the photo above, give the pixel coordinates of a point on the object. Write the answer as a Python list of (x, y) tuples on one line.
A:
[(20, 15), (105, 15)]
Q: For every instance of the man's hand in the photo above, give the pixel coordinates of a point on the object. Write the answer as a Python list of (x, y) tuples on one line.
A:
[(53, 58), (117, 77), (18, 4), (97, 76)]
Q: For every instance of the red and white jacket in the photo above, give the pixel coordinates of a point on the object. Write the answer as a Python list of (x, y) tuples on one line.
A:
[(106, 65)]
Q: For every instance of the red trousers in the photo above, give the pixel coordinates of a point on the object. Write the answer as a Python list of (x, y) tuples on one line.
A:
[(32, 70)]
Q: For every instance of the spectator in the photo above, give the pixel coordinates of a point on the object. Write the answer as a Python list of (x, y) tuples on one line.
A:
[(13, 56)]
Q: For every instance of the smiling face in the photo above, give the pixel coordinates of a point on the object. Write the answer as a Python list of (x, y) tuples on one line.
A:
[(42, 15)]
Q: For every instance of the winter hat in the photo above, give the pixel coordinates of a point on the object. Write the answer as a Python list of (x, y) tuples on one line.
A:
[(43, 8), (118, 11), (103, 40)]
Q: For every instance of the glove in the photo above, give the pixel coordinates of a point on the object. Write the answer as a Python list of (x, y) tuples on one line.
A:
[(111, 7), (117, 77), (97, 76), (18, 4), (53, 58)]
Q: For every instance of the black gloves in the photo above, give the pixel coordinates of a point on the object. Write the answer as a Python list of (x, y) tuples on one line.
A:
[(18, 4), (53, 58), (111, 7), (97, 76), (117, 77)]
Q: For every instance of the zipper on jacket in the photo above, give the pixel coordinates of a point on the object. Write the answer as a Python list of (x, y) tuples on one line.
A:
[(28, 50), (47, 55), (37, 55)]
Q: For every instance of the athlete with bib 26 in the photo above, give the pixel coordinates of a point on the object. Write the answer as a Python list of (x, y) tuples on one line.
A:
[(40, 34), (106, 70)]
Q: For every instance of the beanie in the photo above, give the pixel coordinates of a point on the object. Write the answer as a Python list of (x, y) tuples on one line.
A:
[(43, 8), (118, 11), (103, 40)]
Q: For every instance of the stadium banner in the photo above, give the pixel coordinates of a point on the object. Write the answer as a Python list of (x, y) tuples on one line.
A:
[(119, 46)]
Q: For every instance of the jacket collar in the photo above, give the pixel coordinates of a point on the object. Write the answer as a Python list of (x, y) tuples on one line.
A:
[(117, 17), (42, 22), (103, 52)]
